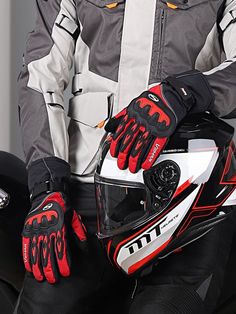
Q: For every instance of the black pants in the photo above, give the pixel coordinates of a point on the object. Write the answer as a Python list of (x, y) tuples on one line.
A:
[(187, 282)]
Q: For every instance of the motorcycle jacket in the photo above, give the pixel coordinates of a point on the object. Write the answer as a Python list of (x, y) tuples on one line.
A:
[(119, 48)]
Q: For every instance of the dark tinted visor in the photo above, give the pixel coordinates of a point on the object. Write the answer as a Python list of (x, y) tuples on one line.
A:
[(120, 205)]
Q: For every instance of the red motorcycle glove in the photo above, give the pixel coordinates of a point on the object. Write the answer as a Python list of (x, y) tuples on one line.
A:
[(141, 130), (45, 247)]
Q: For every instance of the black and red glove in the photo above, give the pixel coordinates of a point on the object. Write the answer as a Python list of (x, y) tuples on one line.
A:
[(141, 130), (44, 243), (49, 222)]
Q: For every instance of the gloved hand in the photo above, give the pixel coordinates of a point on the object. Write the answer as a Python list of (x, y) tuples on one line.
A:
[(45, 247), (141, 130)]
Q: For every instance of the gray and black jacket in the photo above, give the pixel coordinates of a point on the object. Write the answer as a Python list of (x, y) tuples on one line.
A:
[(119, 48)]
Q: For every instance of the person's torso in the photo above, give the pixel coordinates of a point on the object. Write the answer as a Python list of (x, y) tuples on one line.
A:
[(124, 47)]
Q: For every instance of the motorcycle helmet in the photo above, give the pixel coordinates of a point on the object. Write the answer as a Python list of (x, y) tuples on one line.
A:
[(145, 216)]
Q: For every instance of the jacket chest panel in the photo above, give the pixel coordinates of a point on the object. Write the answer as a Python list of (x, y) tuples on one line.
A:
[(180, 29), (102, 32), (179, 35)]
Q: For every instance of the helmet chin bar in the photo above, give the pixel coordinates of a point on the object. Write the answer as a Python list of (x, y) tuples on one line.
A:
[(190, 189)]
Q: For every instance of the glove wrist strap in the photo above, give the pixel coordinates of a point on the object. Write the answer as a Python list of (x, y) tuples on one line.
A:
[(48, 187), (182, 90)]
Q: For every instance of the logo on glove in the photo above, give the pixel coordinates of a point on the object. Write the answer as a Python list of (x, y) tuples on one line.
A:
[(156, 147), (153, 97), (48, 206)]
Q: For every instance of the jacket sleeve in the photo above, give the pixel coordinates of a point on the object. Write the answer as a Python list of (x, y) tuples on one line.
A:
[(222, 78), (45, 74)]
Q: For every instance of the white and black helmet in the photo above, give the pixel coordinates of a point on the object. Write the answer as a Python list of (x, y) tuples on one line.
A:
[(147, 215)]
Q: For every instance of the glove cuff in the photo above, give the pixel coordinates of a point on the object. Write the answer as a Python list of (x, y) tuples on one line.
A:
[(200, 89), (184, 93), (48, 175)]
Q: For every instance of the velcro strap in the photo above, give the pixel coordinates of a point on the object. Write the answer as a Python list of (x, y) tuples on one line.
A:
[(49, 187), (182, 90), (228, 19), (69, 26)]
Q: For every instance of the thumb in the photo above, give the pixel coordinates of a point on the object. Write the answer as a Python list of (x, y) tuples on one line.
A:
[(78, 227), (114, 122)]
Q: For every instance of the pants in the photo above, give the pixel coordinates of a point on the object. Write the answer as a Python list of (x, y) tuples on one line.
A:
[(186, 282)]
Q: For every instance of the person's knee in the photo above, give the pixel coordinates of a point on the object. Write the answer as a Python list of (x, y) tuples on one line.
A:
[(167, 300)]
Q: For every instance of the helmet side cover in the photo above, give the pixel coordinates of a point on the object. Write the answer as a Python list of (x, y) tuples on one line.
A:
[(203, 151)]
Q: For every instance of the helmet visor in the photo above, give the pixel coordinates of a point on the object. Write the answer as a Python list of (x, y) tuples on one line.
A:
[(120, 205)]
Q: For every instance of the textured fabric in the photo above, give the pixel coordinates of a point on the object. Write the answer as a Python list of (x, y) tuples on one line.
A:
[(174, 285), (8, 297), (48, 169), (44, 238), (168, 299), (143, 128), (95, 287), (122, 50), (45, 74)]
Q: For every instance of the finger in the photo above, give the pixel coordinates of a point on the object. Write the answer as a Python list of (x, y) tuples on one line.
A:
[(62, 253), (26, 253), (126, 145), (48, 260), (113, 123), (78, 227), (138, 151), (117, 137), (35, 258), (154, 152)]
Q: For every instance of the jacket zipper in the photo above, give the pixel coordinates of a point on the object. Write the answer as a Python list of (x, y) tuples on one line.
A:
[(160, 48)]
